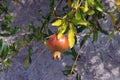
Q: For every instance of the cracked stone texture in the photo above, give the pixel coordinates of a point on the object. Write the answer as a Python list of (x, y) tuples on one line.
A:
[(99, 60)]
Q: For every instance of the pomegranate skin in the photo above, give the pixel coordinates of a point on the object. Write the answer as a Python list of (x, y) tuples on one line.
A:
[(55, 44)]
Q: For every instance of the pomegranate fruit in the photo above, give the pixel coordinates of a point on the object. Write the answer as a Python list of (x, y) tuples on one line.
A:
[(57, 45)]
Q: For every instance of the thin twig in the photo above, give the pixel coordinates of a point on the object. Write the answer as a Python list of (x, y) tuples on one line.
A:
[(72, 70), (75, 62), (57, 5)]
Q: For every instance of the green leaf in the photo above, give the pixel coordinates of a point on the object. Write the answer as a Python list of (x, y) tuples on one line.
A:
[(22, 43), (8, 63), (30, 54), (66, 72), (73, 52), (78, 14), (79, 22), (30, 37), (4, 34), (68, 67), (27, 61), (69, 14), (111, 35), (11, 51), (99, 6), (15, 30), (45, 23), (8, 19), (5, 27), (3, 9), (61, 30), (13, 48), (78, 77), (1, 43), (68, 53), (51, 5), (118, 20), (90, 12), (91, 3), (43, 36), (95, 35), (5, 1), (5, 51), (32, 27), (75, 4)]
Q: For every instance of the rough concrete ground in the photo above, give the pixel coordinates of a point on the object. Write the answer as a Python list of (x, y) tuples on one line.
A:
[(99, 60)]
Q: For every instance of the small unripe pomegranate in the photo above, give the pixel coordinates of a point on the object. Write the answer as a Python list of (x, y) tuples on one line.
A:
[(57, 45)]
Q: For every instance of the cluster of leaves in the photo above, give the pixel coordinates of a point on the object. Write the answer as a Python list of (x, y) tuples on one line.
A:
[(5, 49), (83, 14), (9, 50), (6, 54)]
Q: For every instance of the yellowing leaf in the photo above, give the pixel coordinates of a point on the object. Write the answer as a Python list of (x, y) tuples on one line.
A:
[(59, 35), (71, 38), (86, 6), (112, 18), (71, 26), (71, 35), (118, 4), (57, 22)]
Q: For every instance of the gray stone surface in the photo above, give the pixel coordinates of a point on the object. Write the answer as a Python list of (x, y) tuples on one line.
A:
[(99, 60)]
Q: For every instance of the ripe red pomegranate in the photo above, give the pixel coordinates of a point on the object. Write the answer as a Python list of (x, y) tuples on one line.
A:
[(57, 45)]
